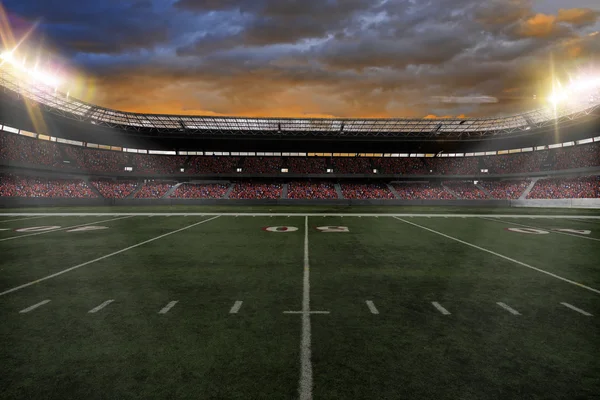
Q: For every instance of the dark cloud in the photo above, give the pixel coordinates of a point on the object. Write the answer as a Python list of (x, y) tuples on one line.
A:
[(318, 57)]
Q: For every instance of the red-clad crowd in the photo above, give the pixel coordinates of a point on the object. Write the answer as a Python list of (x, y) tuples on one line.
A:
[(212, 164), (466, 190), (366, 191), (153, 190), (421, 191), (249, 190), (262, 165), (354, 165), (566, 188), (25, 186), (204, 191), (98, 160), (400, 165), (110, 189), (158, 164), (502, 190), (577, 157), (515, 163), (311, 190), (26, 150), (452, 165), (307, 165)]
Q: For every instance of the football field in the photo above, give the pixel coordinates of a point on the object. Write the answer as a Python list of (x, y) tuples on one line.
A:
[(299, 306)]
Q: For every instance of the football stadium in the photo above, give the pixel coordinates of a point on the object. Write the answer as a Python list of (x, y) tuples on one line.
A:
[(152, 254)]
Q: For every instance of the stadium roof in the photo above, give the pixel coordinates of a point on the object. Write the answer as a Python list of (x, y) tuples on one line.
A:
[(59, 103)]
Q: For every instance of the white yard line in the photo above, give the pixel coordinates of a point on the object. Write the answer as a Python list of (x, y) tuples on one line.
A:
[(20, 219), (440, 308), (579, 310), (376, 215), (304, 312), (372, 307), (33, 307), (166, 308), (508, 308), (306, 372), (503, 256), (64, 271), (63, 229), (236, 307), (100, 307), (546, 229)]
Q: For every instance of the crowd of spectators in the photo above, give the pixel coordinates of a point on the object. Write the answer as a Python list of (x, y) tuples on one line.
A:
[(204, 191), (502, 190), (250, 190), (515, 163), (577, 157), (307, 165), (421, 191), (98, 160), (566, 188), (153, 189), (452, 165), (110, 189), (311, 190), (466, 190), (23, 149), (352, 165), (159, 164), (25, 186), (212, 164), (262, 165), (400, 165), (366, 191)]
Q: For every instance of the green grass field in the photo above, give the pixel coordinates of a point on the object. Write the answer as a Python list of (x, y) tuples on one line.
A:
[(202, 349)]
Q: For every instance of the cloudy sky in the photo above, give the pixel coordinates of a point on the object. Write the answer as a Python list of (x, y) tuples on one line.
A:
[(342, 58)]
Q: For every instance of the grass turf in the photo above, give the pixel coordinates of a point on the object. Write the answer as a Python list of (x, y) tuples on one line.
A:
[(199, 350)]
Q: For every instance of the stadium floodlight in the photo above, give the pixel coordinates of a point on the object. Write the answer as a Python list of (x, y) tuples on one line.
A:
[(34, 73)]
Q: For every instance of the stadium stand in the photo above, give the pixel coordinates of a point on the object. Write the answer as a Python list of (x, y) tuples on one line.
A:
[(401, 165), (311, 190), (25, 186), (452, 166), (505, 189), (212, 164), (354, 165), (204, 191), (153, 190), (98, 160), (307, 165), (158, 164), (26, 150), (421, 191), (262, 165), (366, 191), (110, 189), (250, 190), (566, 188), (466, 190)]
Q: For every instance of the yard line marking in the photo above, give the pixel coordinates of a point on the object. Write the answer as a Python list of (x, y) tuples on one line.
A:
[(508, 308), (100, 307), (440, 308), (63, 229), (5, 229), (546, 229), (236, 307), (306, 312), (33, 307), (64, 271), (306, 372), (166, 308), (579, 310), (502, 256), (20, 219), (372, 307)]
